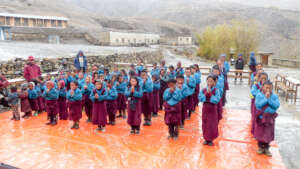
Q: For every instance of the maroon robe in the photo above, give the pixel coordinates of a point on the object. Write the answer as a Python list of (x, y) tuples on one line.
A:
[(209, 119), (25, 105), (121, 101), (184, 108), (111, 109), (196, 94), (75, 110), (62, 108), (99, 116), (264, 128), (88, 105), (220, 109), (190, 102), (156, 101), (34, 104), (134, 116), (51, 107), (41, 102), (163, 87), (147, 104), (253, 109), (172, 114)]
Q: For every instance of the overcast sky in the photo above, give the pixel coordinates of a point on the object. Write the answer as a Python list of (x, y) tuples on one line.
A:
[(284, 4)]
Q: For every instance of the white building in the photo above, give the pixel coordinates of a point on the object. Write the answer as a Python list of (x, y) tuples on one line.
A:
[(184, 40), (126, 39)]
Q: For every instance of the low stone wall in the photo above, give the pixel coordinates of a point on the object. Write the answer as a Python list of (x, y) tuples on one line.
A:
[(14, 68), (286, 62)]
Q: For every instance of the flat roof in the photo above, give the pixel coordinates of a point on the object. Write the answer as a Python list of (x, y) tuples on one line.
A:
[(34, 16)]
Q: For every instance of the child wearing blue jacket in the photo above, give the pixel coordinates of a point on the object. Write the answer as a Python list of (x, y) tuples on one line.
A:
[(210, 97), (87, 103), (62, 100), (74, 96), (33, 98), (156, 88), (220, 87), (111, 100), (51, 96), (267, 103), (190, 81), (172, 98), (13, 102), (147, 99), (121, 100), (184, 102)]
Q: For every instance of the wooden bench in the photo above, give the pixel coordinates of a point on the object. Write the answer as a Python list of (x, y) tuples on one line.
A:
[(246, 74), (282, 83)]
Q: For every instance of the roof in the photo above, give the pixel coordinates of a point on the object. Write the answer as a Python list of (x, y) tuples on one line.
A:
[(34, 16)]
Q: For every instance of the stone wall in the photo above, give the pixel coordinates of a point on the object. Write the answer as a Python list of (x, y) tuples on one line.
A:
[(286, 62), (14, 68)]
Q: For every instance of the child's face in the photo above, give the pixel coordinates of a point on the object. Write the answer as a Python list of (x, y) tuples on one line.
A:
[(101, 78), (59, 85), (180, 81), (193, 70), (210, 82), (267, 88), (133, 82), (109, 85), (171, 85), (48, 77), (87, 80), (120, 79), (262, 79), (216, 72), (30, 86), (259, 67), (98, 85), (187, 72), (80, 75), (49, 86), (144, 75), (73, 86)]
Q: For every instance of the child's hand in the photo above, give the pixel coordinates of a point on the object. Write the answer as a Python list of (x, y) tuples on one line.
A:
[(172, 90), (85, 87), (268, 94), (208, 89), (96, 96), (132, 89), (72, 92)]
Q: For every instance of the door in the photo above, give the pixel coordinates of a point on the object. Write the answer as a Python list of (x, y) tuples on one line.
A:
[(264, 59)]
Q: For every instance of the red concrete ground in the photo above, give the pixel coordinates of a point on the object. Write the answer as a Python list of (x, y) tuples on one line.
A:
[(33, 145)]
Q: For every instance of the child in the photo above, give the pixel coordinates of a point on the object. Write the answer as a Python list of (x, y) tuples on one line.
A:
[(155, 70), (134, 93), (88, 88), (13, 102), (51, 96), (111, 100), (124, 74), (121, 100), (156, 87), (220, 87), (184, 102), (267, 104), (171, 73), (163, 86), (172, 98), (81, 80), (42, 85), (37, 88), (33, 98), (62, 101), (210, 97), (25, 105), (262, 77), (139, 67), (190, 82), (98, 97), (74, 96), (197, 77), (147, 99), (179, 70)]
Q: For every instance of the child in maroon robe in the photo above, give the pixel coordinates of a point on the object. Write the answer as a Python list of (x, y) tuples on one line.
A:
[(111, 101), (98, 97), (147, 99), (156, 87), (25, 105), (88, 88), (267, 104), (62, 101), (172, 98), (210, 97), (42, 85), (51, 96), (33, 98), (184, 93), (121, 100), (134, 93), (74, 97)]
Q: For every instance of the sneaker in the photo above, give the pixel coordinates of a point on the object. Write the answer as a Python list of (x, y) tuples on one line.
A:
[(17, 119), (268, 153), (205, 142), (73, 127), (103, 129), (76, 126), (181, 127), (137, 132), (210, 143), (260, 151), (131, 131), (113, 123), (35, 114), (98, 129), (175, 138), (54, 122)]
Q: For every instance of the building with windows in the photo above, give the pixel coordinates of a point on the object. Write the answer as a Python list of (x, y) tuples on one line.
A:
[(128, 39), (184, 40), (8, 21)]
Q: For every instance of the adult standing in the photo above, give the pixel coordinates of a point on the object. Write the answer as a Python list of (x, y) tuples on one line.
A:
[(31, 70), (3, 90), (239, 65), (252, 64), (80, 62)]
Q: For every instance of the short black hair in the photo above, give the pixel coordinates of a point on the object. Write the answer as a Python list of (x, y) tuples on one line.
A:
[(268, 82), (216, 67), (13, 89), (75, 82), (171, 81), (179, 77), (214, 77)]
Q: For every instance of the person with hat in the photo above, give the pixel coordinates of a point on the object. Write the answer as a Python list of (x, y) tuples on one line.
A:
[(252, 64), (80, 62), (31, 70), (239, 65)]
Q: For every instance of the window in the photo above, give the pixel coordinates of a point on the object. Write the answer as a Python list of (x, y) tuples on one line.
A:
[(2, 20), (25, 22), (7, 20), (34, 22), (53, 23), (40, 22), (17, 21), (134, 40), (45, 23), (187, 39), (59, 23), (123, 40)]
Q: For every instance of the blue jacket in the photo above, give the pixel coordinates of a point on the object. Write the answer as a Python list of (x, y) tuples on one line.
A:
[(121, 87), (32, 94), (227, 67), (100, 71), (139, 68), (155, 71), (137, 92), (13, 98), (179, 71), (191, 85), (76, 61), (213, 99), (51, 95), (220, 84), (252, 59), (273, 103), (102, 93), (90, 88), (108, 77), (126, 78), (197, 76), (156, 85), (81, 83), (147, 86), (112, 94), (184, 91), (255, 90), (172, 98), (62, 92), (77, 96), (38, 90), (171, 75)]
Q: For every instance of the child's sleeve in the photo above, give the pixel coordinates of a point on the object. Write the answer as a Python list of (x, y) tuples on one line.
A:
[(167, 95), (102, 96), (260, 100), (202, 96), (138, 93), (92, 96), (273, 102), (215, 99), (127, 92)]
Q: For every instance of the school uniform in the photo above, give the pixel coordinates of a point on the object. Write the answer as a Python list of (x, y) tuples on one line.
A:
[(13, 102), (155, 71), (171, 75), (139, 69), (51, 98), (156, 88), (265, 116), (254, 91), (224, 71), (191, 89), (86, 101), (209, 113), (33, 99), (62, 104), (121, 100), (81, 83), (163, 87), (111, 100), (40, 100), (99, 115), (25, 105), (220, 87), (134, 107), (75, 105), (197, 76), (173, 110), (147, 100), (184, 103), (179, 71), (69, 80)]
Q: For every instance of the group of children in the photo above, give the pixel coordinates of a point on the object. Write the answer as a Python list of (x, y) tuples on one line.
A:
[(101, 94), (264, 104)]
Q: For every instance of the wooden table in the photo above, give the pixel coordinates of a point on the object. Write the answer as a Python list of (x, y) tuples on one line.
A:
[(295, 83), (248, 72)]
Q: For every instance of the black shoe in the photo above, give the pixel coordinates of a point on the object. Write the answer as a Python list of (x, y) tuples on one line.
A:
[(205, 142), (17, 119), (88, 120), (76, 126), (181, 127), (113, 123), (73, 127), (131, 131), (54, 122), (49, 122), (154, 115), (149, 123), (24, 115), (137, 132), (210, 143), (13, 118), (169, 137), (175, 138), (124, 116), (119, 116)]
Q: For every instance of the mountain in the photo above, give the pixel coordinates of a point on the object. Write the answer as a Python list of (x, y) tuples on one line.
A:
[(279, 28)]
